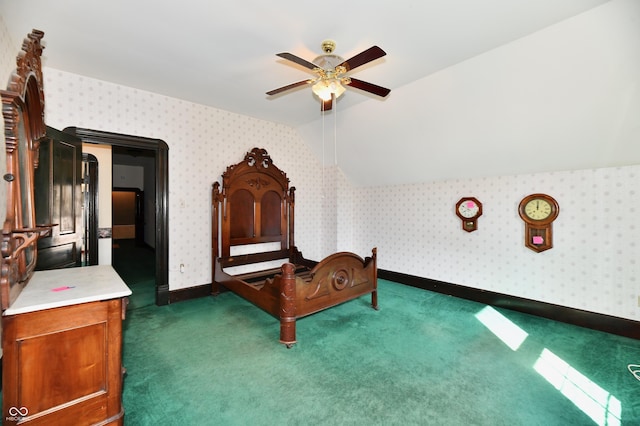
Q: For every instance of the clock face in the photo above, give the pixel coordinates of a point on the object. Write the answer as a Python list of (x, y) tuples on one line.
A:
[(468, 208), (538, 209)]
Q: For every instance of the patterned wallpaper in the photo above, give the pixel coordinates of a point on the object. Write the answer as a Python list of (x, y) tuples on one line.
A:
[(202, 142), (593, 266)]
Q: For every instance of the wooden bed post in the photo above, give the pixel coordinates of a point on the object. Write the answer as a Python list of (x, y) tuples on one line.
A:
[(292, 205), (374, 293), (288, 305), (215, 203)]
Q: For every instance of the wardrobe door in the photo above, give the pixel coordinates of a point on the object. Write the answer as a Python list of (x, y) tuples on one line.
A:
[(58, 200)]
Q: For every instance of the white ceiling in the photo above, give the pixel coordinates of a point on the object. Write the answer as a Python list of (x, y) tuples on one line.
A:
[(222, 53)]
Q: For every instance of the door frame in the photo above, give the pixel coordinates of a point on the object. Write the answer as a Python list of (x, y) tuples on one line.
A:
[(90, 211), (161, 150)]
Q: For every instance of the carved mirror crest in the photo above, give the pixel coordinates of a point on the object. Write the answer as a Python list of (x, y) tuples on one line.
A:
[(24, 127)]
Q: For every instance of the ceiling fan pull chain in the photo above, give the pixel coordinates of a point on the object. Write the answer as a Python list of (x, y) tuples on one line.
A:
[(323, 154), (335, 134)]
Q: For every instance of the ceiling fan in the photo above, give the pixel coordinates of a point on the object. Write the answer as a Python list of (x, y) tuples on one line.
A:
[(331, 70)]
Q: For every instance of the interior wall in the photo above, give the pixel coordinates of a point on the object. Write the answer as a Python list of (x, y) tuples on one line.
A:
[(141, 176), (329, 203), (139, 171), (593, 265), (202, 142), (125, 176), (124, 214)]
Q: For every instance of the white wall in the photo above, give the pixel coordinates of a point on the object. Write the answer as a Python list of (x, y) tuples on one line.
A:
[(128, 176)]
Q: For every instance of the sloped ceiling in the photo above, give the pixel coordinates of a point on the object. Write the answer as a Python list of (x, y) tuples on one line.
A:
[(222, 54)]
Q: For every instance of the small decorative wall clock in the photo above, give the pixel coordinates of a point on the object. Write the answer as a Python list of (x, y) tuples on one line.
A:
[(538, 211), (469, 209)]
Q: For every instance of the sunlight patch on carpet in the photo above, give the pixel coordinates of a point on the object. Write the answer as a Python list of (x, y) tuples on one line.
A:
[(512, 335), (595, 402)]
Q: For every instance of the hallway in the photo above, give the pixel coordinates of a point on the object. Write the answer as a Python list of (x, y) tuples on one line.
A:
[(136, 266)]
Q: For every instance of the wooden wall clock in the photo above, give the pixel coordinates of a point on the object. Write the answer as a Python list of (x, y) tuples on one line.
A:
[(469, 209), (538, 211)]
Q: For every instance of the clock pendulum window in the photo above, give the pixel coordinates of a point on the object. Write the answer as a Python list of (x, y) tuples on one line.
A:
[(538, 211)]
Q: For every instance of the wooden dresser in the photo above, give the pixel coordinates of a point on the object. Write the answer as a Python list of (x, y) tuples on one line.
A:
[(62, 349)]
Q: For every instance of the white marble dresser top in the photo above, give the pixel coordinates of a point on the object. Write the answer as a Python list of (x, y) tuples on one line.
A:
[(69, 286)]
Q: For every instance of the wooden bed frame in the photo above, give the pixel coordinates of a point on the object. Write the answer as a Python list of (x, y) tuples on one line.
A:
[(256, 208)]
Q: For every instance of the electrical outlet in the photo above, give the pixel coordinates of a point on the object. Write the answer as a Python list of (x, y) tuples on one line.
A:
[(182, 267)]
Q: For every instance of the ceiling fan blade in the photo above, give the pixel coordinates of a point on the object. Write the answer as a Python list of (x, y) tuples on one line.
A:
[(327, 105), (368, 87), (288, 87), (298, 60), (371, 54)]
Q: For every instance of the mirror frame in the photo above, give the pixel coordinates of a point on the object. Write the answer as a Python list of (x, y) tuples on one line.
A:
[(24, 127)]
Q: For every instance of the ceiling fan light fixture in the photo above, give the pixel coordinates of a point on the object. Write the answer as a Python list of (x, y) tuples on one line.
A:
[(326, 87)]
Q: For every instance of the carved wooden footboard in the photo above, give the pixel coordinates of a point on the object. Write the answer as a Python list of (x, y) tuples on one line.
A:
[(337, 279), (297, 291)]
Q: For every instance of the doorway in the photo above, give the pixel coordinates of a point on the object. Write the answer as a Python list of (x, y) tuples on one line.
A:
[(132, 255), (158, 230)]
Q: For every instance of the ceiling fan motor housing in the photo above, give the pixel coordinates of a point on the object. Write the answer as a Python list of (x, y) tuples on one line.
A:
[(328, 62)]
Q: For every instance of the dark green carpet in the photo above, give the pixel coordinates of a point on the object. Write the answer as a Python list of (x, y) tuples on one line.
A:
[(136, 266), (423, 359)]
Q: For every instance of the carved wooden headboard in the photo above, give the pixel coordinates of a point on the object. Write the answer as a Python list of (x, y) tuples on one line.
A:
[(255, 206)]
